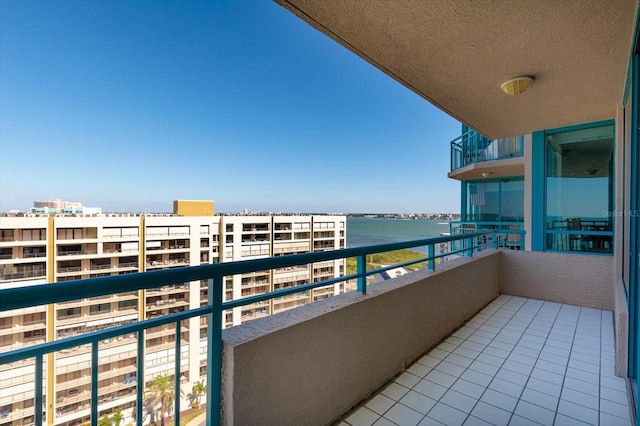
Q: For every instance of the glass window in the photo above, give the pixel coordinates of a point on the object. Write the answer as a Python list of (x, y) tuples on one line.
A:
[(483, 201), (495, 201), (512, 200), (579, 190)]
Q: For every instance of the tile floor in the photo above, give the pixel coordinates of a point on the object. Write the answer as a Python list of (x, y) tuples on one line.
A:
[(517, 362)]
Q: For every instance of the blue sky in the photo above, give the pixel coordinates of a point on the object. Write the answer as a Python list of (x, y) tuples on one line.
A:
[(128, 105)]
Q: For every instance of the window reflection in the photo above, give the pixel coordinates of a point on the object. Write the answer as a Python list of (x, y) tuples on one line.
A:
[(579, 191), (496, 201)]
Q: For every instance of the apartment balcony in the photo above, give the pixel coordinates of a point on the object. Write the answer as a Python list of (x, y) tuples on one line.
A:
[(543, 357), (472, 155), (19, 272), (26, 254), (288, 247), (85, 379), (255, 238), (255, 227), (167, 263), (504, 336), (168, 289), (518, 361), (8, 415), (509, 235), (168, 303), (105, 344), (168, 246), (163, 331), (125, 247), (8, 329)]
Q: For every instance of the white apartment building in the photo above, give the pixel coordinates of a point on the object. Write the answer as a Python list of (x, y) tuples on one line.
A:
[(47, 249), (59, 206)]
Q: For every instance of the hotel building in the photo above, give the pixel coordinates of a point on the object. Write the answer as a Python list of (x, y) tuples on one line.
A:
[(37, 249)]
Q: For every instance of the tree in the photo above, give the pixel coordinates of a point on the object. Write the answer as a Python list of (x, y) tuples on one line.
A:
[(104, 420), (199, 389), (117, 417), (161, 390)]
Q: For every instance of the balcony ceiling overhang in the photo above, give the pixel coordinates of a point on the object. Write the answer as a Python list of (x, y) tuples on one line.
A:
[(456, 54), (497, 168)]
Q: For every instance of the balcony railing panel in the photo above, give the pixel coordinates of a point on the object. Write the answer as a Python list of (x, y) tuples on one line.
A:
[(23, 297), (508, 235), (472, 147)]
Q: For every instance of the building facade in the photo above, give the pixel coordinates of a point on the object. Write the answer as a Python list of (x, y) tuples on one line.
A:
[(38, 249), (551, 161), (59, 206)]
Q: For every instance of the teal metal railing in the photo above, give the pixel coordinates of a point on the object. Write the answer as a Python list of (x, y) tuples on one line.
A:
[(509, 235), (45, 294), (471, 147), (580, 235)]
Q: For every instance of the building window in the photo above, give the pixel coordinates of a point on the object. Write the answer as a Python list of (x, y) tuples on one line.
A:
[(124, 305), (100, 308), (579, 189), (6, 235), (70, 233), (68, 313), (34, 334), (34, 235), (499, 200)]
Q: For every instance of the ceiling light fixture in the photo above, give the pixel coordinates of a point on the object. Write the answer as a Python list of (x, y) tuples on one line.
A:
[(486, 174), (517, 85)]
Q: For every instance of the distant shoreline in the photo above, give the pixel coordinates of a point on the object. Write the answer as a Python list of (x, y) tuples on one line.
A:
[(407, 216)]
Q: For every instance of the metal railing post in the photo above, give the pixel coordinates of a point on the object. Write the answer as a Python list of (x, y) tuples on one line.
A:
[(432, 260), (474, 147), (94, 383), (140, 378), (214, 352), (38, 400), (361, 270), (176, 377), (452, 155)]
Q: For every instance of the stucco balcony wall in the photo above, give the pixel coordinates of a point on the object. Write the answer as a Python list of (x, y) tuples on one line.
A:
[(310, 365), (582, 280)]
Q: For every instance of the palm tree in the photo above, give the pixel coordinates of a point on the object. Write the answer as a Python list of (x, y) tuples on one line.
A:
[(104, 420), (161, 390), (199, 389), (117, 417)]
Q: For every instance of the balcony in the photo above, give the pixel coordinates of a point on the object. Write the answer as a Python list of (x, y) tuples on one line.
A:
[(518, 361), (530, 328), (509, 235), (472, 154), (22, 272)]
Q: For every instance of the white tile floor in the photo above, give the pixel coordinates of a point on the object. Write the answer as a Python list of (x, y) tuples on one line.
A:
[(517, 362)]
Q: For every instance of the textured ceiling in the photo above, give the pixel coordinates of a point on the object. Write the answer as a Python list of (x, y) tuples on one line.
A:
[(456, 53)]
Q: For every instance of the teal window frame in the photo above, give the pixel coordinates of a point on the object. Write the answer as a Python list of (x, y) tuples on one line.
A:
[(632, 289), (539, 189), (464, 193)]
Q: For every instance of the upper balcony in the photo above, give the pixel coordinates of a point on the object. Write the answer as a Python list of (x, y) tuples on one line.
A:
[(473, 156), (484, 349)]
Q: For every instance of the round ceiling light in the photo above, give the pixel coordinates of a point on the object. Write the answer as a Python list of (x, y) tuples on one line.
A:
[(517, 85)]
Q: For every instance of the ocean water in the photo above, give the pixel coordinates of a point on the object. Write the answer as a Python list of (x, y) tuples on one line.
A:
[(371, 231)]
